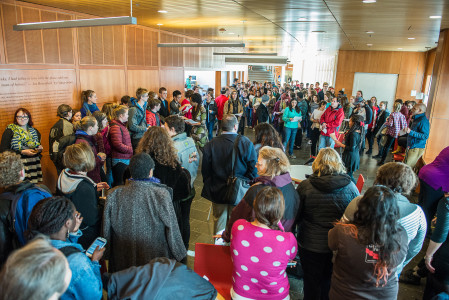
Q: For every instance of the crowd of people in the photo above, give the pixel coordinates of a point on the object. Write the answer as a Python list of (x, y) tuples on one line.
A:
[(126, 174)]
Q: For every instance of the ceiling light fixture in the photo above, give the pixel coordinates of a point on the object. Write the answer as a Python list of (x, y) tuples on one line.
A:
[(369, 32), (202, 45), (231, 33), (159, 24), (112, 21), (435, 17), (245, 54), (369, 45), (302, 19), (369, 1), (399, 48), (411, 38), (162, 11)]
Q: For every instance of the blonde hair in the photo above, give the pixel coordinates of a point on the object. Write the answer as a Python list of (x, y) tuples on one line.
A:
[(120, 110), (85, 123), (79, 158), (328, 162), (397, 106), (277, 161)]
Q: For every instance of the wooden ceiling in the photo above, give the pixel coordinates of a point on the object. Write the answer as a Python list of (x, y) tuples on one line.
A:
[(286, 26)]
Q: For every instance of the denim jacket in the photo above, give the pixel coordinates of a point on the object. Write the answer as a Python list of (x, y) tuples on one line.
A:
[(185, 147), (419, 132), (86, 278)]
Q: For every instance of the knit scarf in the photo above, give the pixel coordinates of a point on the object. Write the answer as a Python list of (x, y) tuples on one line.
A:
[(23, 139)]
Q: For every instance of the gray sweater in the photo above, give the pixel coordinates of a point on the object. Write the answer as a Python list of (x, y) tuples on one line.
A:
[(140, 224)]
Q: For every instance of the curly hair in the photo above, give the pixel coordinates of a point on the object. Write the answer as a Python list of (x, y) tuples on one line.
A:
[(375, 222), (397, 176), (49, 216), (157, 143), (10, 167)]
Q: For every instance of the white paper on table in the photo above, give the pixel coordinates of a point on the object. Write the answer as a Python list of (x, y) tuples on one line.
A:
[(296, 119), (238, 115)]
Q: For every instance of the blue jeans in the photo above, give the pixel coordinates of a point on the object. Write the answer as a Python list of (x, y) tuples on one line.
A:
[(249, 115), (326, 141), (290, 135), (210, 129)]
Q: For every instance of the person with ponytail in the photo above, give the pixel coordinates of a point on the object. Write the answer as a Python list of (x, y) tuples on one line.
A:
[(57, 218), (261, 250), (273, 170), (89, 103), (369, 249), (353, 143)]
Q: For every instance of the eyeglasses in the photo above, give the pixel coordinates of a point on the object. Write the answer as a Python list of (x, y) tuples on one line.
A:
[(22, 117)]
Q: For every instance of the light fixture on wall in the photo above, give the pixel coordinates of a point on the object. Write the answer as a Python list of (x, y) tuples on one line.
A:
[(109, 21), (112, 21), (202, 45), (245, 54)]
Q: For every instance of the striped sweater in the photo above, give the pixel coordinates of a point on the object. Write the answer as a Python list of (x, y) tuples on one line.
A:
[(412, 218)]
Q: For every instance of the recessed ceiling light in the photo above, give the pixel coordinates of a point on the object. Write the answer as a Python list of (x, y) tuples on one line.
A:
[(162, 11), (231, 33), (411, 38), (302, 19), (399, 48), (369, 45), (369, 1), (159, 24), (369, 32), (435, 17)]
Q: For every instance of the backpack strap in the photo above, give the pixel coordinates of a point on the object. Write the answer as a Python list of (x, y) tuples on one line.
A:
[(69, 250), (14, 198)]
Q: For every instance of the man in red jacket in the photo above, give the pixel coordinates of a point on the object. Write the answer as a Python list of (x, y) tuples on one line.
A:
[(220, 102), (330, 122)]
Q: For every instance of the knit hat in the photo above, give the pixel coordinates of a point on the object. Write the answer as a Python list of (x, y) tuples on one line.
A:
[(265, 98)]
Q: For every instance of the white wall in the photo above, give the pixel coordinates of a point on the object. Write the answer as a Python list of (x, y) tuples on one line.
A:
[(382, 86), (203, 77)]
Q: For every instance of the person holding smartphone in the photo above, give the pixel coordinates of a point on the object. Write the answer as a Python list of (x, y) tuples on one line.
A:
[(57, 218)]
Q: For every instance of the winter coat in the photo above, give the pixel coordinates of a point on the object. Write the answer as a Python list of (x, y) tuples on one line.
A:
[(120, 139), (244, 210), (333, 118), (322, 201), (137, 123), (82, 191), (139, 219)]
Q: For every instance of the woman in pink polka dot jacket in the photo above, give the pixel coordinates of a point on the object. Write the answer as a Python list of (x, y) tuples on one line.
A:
[(260, 250)]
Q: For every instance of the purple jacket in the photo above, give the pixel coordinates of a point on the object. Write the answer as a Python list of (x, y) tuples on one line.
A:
[(244, 210), (436, 174)]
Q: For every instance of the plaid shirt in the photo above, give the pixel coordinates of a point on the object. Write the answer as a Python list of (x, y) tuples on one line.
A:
[(395, 123)]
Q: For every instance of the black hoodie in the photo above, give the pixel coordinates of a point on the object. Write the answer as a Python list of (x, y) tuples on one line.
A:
[(322, 201)]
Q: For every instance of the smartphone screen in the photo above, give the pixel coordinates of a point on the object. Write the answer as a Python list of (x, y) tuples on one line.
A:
[(100, 242)]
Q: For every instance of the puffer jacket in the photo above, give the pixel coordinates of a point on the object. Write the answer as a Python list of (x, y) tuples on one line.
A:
[(244, 210), (121, 147), (137, 122), (322, 201), (333, 118)]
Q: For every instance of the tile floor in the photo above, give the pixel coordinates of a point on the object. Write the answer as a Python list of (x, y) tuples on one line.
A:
[(202, 225)]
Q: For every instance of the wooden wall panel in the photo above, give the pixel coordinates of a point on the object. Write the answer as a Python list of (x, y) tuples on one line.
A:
[(131, 45), (84, 46), (409, 65), (438, 105), (139, 47), (154, 49), (109, 85), (15, 46), (96, 34), (50, 39), (65, 38), (172, 79), (148, 79), (119, 43), (33, 38), (108, 45)]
